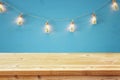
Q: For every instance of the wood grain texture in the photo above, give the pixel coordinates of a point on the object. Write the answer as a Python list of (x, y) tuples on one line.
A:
[(80, 78), (60, 78), (60, 64)]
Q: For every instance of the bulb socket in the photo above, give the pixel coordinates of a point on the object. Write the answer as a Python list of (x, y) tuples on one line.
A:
[(113, 1), (93, 15), (1, 3), (72, 22), (47, 23), (21, 15)]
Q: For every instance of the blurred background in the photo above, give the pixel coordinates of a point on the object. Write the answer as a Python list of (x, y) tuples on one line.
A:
[(30, 37)]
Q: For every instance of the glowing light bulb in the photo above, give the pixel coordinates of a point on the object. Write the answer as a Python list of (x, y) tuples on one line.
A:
[(47, 28), (71, 27), (93, 19), (20, 20), (115, 6), (2, 8)]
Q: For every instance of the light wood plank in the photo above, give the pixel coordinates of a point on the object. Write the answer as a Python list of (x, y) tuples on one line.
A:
[(60, 64), (80, 78), (60, 78)]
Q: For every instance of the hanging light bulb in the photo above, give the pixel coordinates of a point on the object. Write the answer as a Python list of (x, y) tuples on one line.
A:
[(115, 6), (2, 8), (93, 19), (47, 28), (20, 20), (71, 27)]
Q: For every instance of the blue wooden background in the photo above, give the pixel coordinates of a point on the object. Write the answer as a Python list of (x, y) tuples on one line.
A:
[(103, 37)]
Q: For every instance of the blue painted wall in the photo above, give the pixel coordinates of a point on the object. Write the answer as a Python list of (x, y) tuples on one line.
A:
[(103, 37)]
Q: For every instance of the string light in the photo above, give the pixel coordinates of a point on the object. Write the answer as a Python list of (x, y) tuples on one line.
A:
[(47, 28), (115, 6), (20, 20), (2, 7), (71, 27), (93, 19)]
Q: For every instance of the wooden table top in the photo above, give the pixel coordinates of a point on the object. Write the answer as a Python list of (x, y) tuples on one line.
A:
[(59, 64)]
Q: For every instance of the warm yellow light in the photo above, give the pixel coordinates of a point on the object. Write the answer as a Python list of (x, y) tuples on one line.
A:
[(2, 8), (20, 20), (93, 19), (115, 6), (71, 27), (47, 28)]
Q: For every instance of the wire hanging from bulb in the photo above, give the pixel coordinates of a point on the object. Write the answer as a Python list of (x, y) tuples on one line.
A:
[(48, 28), (55, 19)]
